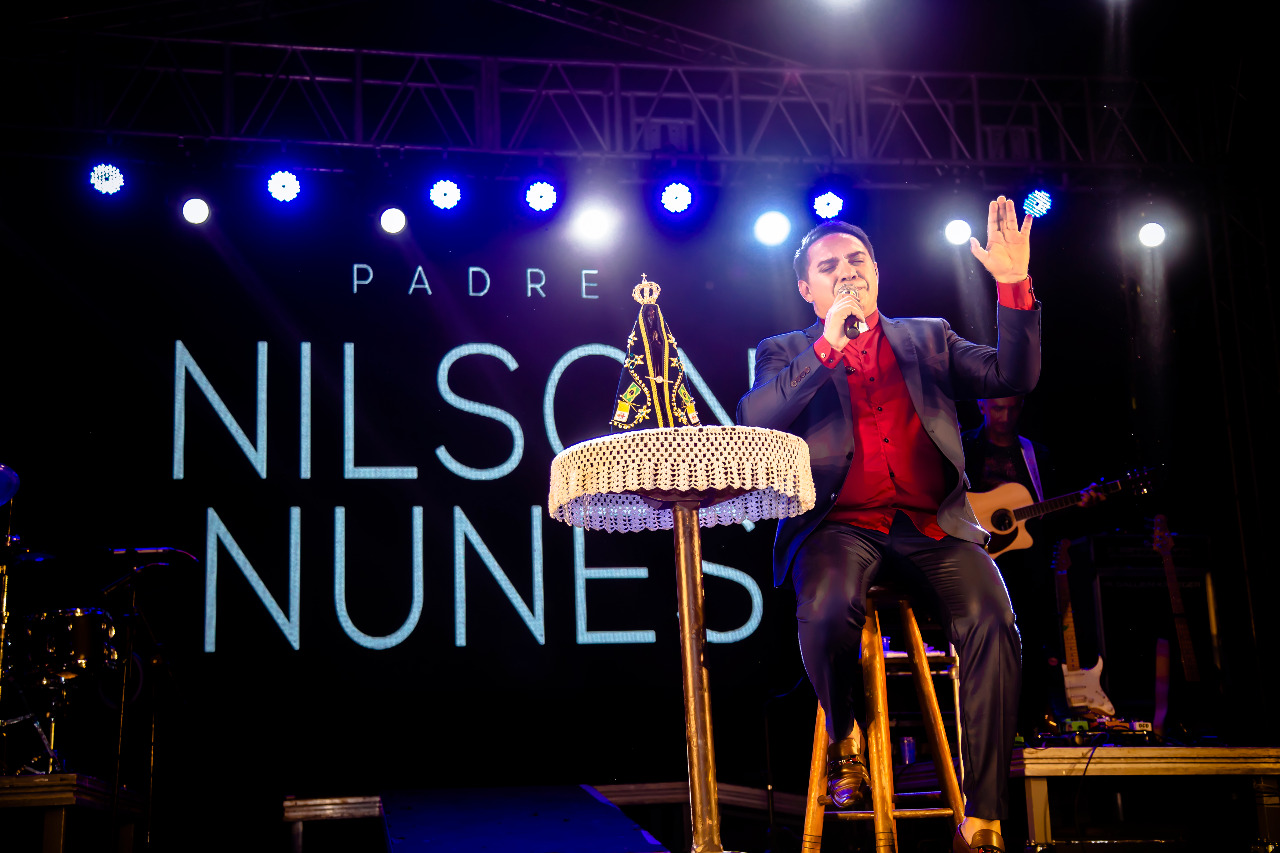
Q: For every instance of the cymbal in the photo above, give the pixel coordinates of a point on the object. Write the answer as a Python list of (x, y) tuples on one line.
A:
[(8, 483)]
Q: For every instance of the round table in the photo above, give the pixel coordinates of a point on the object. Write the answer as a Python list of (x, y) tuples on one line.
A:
[(684, 478)]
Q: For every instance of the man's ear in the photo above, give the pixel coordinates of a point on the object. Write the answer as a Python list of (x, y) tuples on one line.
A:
[(803, 287)]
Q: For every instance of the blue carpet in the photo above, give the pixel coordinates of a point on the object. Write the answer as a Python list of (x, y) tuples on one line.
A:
[(512, 820)]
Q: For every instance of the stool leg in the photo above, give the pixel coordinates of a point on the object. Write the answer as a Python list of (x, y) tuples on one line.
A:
[(873, 678), (814, 811), (928, 698), (55, 829)]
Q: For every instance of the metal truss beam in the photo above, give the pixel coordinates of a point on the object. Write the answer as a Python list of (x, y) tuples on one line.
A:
[(633, 28), (880, 125), (167, 17)]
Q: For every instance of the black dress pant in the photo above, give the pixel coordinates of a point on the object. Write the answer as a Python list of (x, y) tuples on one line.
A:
[(832, 572)]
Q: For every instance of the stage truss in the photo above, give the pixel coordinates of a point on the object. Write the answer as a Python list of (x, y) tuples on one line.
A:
[(885, 128)]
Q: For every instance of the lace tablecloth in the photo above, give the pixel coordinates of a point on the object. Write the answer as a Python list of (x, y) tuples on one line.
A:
[(626, 482)]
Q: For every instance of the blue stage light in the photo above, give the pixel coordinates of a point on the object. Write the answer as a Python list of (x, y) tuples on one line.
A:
[(1037, 204), (283, 186), (541, 196), (828, 205), (677, 197), (195, 211), (772, 228), (393, 220), (445, 195), (957, 232), (106, 179), (1151, 235)]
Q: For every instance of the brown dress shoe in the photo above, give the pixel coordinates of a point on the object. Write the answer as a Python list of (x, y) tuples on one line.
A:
[(984, 841), (848, 784)]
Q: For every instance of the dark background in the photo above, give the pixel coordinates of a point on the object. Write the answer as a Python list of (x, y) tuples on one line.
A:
[(97, 290)]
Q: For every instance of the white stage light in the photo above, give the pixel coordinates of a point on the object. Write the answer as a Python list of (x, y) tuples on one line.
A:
[(1151, 235), (828, 205), (195, 211), (957, 232), (677, 198), (594, 225), (541, 196), (772, 228), (445, 195), (283, 186), (393, 220), (106, 179)]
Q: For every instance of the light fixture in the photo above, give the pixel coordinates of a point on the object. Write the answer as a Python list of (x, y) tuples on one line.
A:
[(283, 186), (772, 228), (1037, 203), (106, 179), (828, 205), (677, 197), (195, 210), (957, 232), (445, 195), (540, 196), (594, 225), (393, 220), (1151, 234)]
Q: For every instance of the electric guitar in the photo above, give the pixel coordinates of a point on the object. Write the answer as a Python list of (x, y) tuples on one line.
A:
[(1083, 686), (1005, 510), (1162, 541)]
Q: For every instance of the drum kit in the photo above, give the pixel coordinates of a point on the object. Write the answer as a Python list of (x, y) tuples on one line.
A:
[(53, 661)]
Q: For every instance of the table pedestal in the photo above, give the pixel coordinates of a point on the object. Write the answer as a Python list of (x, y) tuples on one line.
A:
[(703, 798), (682, 478)]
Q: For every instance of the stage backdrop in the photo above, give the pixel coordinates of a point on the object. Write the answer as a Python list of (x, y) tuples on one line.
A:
[(352, 433)]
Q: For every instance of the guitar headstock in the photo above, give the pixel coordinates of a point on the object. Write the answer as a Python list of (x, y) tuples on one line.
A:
[(1161, 538), (1062, 558)]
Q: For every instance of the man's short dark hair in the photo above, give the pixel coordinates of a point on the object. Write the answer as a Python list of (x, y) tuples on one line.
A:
[(832, 226)]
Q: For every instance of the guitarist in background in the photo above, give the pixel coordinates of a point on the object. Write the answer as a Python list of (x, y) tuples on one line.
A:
[(995, 453)]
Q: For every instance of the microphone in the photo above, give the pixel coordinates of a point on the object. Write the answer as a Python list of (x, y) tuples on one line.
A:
[(852, 326)]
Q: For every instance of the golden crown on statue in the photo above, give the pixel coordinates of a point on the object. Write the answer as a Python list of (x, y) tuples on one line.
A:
[(646, 292)]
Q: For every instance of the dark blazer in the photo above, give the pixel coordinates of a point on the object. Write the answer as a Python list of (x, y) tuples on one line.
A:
[(794, 392)]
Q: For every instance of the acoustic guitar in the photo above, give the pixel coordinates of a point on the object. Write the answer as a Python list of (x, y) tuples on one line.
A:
[(1005, 510)]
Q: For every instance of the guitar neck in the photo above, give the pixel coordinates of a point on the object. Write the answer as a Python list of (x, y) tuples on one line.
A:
[(1061, 502), (1175, 589), (1070, 652), (1189, 668)]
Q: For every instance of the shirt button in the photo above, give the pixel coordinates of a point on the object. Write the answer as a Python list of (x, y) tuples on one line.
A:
[(872, 379), (849, 370), (891, 475), (886, 441), (834, 495), (879, 409)]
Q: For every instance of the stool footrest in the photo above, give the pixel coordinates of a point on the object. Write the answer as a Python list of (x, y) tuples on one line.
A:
[(897, 813), (899, 796), (917, 795)]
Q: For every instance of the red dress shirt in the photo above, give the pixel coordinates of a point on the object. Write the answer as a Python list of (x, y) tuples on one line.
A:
[(895, 464)]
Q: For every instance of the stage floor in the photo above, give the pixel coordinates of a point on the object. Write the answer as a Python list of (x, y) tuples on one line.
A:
[(512, 820)]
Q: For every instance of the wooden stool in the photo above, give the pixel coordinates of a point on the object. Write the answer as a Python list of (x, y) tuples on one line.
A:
[(884, 813)]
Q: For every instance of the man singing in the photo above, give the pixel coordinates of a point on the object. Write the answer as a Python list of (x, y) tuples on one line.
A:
[(875, 399)]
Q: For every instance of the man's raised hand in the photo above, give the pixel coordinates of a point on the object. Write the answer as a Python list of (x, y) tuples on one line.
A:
[(1008, 250)]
